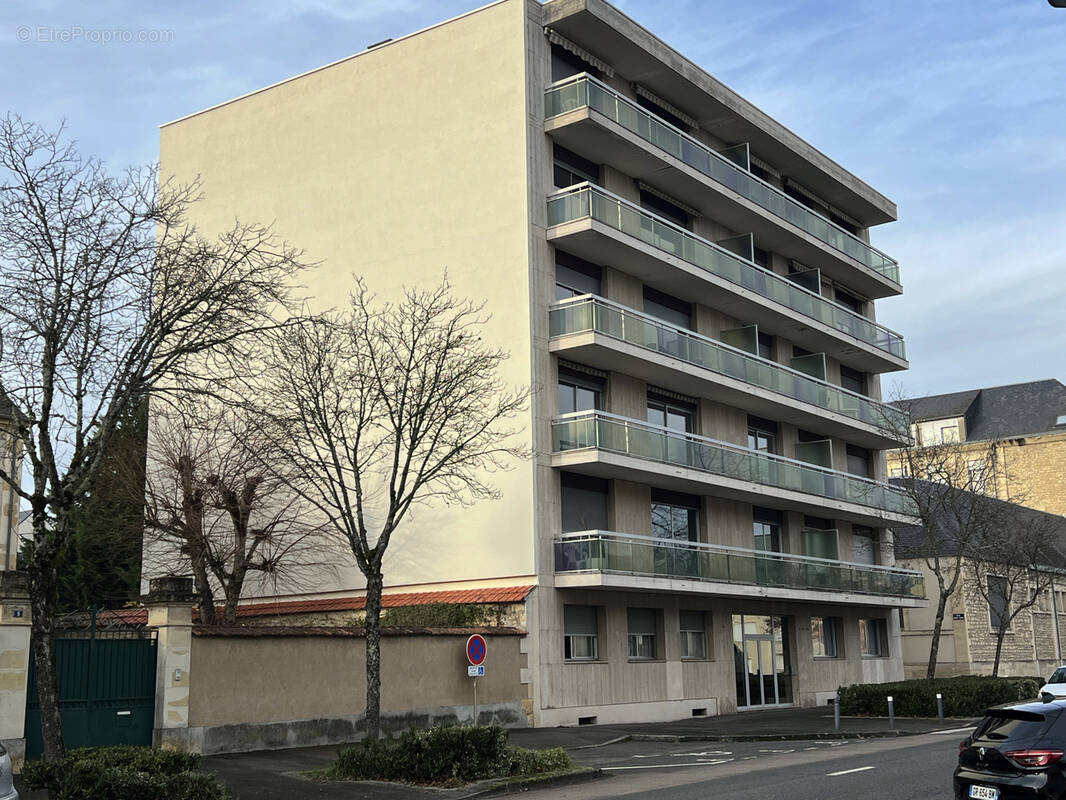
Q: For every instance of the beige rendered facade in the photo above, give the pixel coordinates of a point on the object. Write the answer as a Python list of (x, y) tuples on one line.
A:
[(689, 288)]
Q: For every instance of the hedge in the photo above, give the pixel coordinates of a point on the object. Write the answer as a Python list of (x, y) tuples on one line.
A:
[(123, 773), (964, 696), (444, 754)]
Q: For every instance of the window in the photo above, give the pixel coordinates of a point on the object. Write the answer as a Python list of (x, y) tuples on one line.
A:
[(997, 602), (565, 64), (848, 300), (858, 460), (766, 527), (898, 472), (975, 475), (693, 634), (668, 309), (642, 633), (662, 113), (674, 515), (664, 208), (762, 434), (852, 380), (575, 276), (581, 633), (766, 346), (579, 392), (673, 414), (873, 637), (949, 433), (826, 635), (583, 502), (863, 545), (1060, 601), (571, 169)]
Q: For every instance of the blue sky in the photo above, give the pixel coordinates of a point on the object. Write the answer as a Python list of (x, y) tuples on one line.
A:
[(956, 110)]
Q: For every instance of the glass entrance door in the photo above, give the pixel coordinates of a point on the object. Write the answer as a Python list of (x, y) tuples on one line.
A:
[(761, 655)]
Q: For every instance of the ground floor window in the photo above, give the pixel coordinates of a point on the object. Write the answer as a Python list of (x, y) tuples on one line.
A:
[(873, 637), (581, 633), (693, 634), (642, 633), (826, 637), (762, 660)]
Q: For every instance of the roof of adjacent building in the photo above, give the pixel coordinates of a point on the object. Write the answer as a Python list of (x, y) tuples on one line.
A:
[(491, 595), (911, 541), (997, 412)]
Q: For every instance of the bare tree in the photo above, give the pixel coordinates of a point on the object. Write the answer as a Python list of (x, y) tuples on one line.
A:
[(106, 291), (1008, 567), (384, 406), (944, 480), (220, 504)]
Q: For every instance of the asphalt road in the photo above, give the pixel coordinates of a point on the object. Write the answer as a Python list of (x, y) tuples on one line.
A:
[(907, 768)]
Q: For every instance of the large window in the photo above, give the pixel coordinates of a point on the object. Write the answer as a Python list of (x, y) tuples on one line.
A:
[(664, 208), (674, 515), (643, 624), (565, 64), (766, 526), (873, 637), (762, 434), (997, 602), (584, 503), (571, 169), (858, 460), (693, 634), (667, 308), (852, 380), (579, 391), (575, 276), (826, 637), (864, 545), (676, 415), (581, 641)]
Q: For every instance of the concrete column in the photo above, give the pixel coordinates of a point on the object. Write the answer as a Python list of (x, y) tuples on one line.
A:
[(14, 662), (170, 603)]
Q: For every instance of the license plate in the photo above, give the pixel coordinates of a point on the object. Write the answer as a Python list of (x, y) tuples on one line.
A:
[(984, 793)]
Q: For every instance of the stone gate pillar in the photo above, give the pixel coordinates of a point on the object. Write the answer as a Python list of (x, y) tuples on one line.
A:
[(170, 603), (14, 662)]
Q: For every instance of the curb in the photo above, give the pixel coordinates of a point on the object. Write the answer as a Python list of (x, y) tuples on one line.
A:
[(581, 775)]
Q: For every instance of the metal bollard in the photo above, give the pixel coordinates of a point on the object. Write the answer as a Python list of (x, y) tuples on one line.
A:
[(891, 713), (939, 706), (836, 711)]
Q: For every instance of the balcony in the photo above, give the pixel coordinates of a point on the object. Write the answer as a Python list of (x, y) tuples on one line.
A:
[(587, 115), (604, 228), (618, 560), (608, 445), (612, 337)]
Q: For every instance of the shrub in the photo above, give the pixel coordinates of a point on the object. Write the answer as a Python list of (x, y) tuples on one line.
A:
[(964, 696), (444, 754), (123, 773)]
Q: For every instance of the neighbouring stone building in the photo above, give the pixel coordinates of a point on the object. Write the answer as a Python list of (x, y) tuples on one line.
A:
[(1036, 637)]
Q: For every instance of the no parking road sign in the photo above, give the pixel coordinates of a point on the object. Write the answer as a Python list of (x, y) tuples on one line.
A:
[(476, 650)]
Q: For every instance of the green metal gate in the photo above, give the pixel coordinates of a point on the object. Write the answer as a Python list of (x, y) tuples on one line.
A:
[(106, 688)]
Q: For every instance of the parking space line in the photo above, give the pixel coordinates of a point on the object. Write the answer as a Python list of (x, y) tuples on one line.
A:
[(709, 763), (953, 730), (847, 771)]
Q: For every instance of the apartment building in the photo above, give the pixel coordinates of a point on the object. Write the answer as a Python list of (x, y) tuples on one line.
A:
[(1011, 440), (689, 287)]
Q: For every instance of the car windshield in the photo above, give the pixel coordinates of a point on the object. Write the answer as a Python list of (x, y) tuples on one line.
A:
[(1011, 725), (1058, 677)]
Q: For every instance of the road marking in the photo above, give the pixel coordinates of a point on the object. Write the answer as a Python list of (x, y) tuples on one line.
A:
[(707, 763), (953, 730), (704, 754), (848, 771)]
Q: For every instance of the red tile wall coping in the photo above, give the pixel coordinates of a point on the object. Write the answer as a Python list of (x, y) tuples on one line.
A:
[(260, 631), (499, 594)]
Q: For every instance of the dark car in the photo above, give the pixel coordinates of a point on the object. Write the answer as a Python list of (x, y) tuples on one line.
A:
[(1016, 752)]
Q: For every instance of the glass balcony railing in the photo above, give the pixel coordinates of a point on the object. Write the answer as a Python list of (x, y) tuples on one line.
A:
[(601, 551), (603, 431), (586, 200), (591, 313), (584, 90)]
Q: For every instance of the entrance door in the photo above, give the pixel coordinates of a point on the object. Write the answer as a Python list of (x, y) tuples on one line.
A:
[(760, 651)]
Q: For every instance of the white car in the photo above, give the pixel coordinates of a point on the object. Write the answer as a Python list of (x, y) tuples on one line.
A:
[(7, 788), (1056, 684)]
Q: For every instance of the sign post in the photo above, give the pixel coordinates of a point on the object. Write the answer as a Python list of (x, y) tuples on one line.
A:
[(476, 650)]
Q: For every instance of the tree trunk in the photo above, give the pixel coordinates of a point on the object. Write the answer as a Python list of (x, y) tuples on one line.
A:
[(999, 649), (233, 595), (42, 605), (934, 645), (206, 599), (374, 585)]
